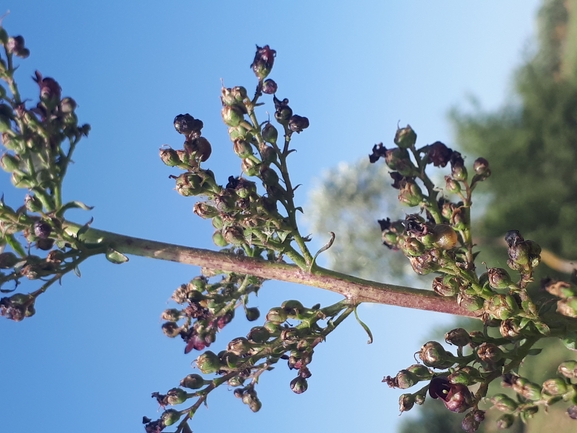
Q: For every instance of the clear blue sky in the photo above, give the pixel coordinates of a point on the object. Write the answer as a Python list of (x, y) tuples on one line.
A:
[(88, 361)]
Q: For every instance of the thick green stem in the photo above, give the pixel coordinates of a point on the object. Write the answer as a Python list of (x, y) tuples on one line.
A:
[(354, 289)]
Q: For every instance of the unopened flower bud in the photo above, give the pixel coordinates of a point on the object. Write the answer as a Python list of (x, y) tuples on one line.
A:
[(299, 385), (16, 46), (282, 110), (481, 167), (8, 260), (458, 169), (269, 87), (277, 315), (186, 124), (42, 229), (499, 278), (171, 329), (419, 370), (239, 346), (298, 123), (405, 379), (263, 61), (169, 156), (219, 239)]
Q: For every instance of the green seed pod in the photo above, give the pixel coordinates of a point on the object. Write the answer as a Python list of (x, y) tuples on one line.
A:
[(554, 387), (232, 115), (176, 396), (170, 416), (405, 379), (9, 162), (208, 362), (406, 402), (444, 236), (499, 278), (405, 137), (239, 346), (568, 369), (458, 337), (452, 186), (503, 403), (242, 148), (250, 167), (269, 133), (434, 355), (171, 314), (419, 370), (505, 421), (234, 235), (193, 381), (268, 155), (259, 334)]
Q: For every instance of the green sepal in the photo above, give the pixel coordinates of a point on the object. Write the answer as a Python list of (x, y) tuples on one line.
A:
[(115, 257), (84, 228)]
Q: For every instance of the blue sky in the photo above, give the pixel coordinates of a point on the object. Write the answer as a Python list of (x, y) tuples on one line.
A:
[(90, 358)]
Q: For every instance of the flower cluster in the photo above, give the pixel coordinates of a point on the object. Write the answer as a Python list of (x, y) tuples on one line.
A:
[(39, 140), (438, 240)]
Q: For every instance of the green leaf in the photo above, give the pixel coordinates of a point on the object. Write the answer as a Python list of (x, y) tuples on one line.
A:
[(73, 205), (365, 327), (15, 245), (534, 352), (115, 257)]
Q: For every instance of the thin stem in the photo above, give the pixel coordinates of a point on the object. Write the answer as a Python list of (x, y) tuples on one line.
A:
[(356, 290)]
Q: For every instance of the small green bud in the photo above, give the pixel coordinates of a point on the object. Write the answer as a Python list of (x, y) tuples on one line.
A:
[(234, 235), (208, 362), (219, 239), (171, 314)]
